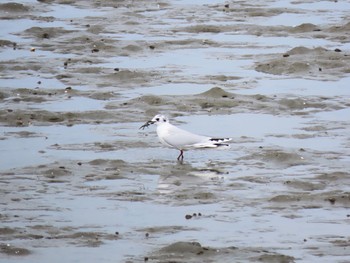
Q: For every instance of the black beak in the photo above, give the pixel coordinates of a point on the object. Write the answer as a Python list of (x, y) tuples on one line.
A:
[(146, 125)]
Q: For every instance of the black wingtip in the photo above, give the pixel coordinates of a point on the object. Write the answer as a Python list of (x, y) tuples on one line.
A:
[(221, 144), (220, 139)]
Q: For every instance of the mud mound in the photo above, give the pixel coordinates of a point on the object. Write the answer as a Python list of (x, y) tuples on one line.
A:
[(46, 32), (14, 7), (217, 92), (13, 251), (194, 252), (317, 63), (306, 27)]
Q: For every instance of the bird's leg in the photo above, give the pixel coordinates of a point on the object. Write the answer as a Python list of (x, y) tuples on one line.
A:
[(181, 156)]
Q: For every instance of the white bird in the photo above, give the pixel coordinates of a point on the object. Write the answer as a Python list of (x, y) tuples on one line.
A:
[(182, 140)]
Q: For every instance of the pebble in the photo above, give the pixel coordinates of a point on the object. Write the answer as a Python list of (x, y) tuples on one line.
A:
[(188, 216), (332, 200)]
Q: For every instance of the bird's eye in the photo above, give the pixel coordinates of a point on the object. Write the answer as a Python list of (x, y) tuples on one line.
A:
[(157, 119), (164, 120)]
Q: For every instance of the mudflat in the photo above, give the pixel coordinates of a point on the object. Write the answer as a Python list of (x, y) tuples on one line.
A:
[(79, 182)]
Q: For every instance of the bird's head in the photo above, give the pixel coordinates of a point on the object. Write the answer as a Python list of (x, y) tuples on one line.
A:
[(158, 119)]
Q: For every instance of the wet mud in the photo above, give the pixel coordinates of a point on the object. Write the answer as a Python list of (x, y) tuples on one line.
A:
[(79, 179)]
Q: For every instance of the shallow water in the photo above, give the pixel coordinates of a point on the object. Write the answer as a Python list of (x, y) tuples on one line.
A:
[(80, 180)]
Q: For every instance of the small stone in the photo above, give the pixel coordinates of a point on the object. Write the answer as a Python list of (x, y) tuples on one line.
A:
[(337, 50), (285, 55), (188, 216), (332, 200), (19, 122), (152, 47)]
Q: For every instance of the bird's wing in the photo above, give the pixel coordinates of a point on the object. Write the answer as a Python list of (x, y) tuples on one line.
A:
[(182, 139)]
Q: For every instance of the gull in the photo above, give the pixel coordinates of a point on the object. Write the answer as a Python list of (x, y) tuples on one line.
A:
[(177, 138)]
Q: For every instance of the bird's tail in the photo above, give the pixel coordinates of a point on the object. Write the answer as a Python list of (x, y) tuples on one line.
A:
[(214, 143)]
